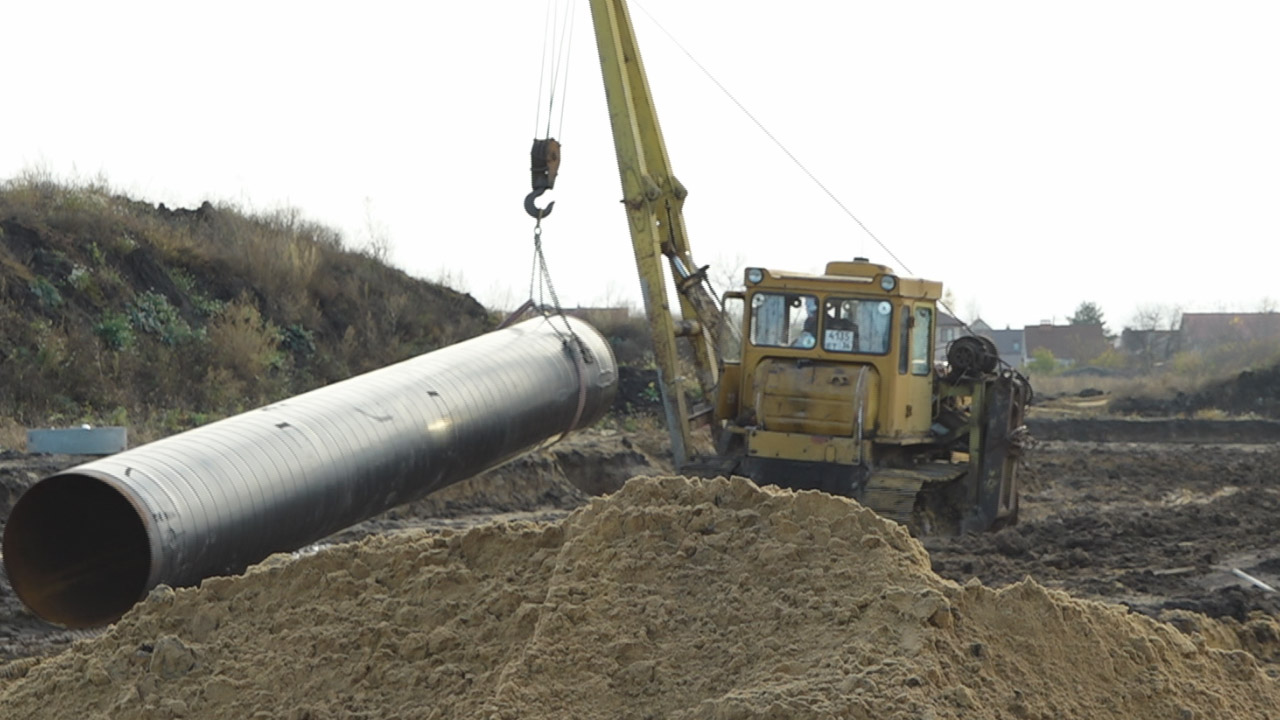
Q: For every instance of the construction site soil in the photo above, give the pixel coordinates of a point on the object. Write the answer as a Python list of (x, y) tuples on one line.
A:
[(516, 594), (1250, 392)]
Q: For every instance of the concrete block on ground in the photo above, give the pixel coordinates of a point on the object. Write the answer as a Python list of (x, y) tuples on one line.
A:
[(84, 440)]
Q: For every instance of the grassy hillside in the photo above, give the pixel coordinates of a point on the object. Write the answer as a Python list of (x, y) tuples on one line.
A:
[(115, 310)]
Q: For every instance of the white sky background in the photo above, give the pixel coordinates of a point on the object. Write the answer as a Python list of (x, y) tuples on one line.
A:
[(1030, 155)]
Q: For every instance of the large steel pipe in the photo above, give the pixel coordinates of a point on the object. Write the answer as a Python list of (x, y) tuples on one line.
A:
[(82, 546)]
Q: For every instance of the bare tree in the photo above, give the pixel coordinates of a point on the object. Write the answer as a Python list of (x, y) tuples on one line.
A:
[(377, 243), (727, 273), (1152, 333), (614, 296), (948, 301), (1157, 317), (1147, 317)]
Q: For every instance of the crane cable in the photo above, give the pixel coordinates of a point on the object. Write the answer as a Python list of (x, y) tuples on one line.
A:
[(793, 158), (556, 43), (557, 39), (774, 139)]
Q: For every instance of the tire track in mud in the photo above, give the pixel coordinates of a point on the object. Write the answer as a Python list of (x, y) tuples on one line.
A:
[(1153, 527)]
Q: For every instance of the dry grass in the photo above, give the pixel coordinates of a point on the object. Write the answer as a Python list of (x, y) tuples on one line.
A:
[(279, 249), (176, 316), (244, 354), (628, 334), (13, 435), (1187, 372), (1153, 385)]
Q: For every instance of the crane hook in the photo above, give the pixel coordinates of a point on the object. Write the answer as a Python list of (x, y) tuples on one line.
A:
[(534, 211), (544, 162)]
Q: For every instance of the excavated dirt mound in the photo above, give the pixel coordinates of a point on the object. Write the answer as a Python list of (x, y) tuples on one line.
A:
[(1252, 392), (542, 485), (1158, 528), (672, 598)]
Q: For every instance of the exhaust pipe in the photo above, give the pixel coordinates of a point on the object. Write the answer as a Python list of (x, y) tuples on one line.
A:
[(83, 545)]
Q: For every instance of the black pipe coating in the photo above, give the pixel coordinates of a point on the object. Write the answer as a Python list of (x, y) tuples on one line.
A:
[(83, 545)]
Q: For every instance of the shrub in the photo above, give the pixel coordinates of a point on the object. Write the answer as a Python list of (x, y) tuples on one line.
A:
[(1042, 362), (1111, 358), (1192, 365), (245, 348), (79, 278), (96, 256), (186, 283), (125, 294), (151, 313), (628, 334), (50, 351), (299, 341), (46, 294), (13, 434), (115, 331)]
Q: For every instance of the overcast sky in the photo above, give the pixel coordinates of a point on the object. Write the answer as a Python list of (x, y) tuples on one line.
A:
[(1029, 155)]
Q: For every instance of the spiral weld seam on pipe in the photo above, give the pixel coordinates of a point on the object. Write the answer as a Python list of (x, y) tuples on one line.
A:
[(83, 545)]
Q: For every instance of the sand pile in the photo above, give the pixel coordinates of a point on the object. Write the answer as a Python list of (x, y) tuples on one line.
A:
[(673, 598)]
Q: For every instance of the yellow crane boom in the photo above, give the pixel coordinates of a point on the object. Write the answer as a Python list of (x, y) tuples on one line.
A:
[(832, 381), (654, 200)]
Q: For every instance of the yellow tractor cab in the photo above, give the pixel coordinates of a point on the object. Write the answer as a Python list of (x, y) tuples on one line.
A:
[(834, 387), (808, 381)]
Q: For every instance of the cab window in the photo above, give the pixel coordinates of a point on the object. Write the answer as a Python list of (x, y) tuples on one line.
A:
[(921, 336), (784, 320), (730, 339), (853, 325)]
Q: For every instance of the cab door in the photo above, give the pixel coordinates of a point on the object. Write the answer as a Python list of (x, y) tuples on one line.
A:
[(729, 353), (920, 370)]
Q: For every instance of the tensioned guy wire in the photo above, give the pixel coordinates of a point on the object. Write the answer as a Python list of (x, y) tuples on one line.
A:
[(775, 140)]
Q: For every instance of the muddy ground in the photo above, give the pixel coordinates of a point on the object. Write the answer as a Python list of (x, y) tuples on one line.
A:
[(1150, 526), (1153, 526)]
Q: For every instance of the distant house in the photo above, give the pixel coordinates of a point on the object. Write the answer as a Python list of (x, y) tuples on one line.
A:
[(1203, 331), (1011, 345), (1152, 347), (1070, 344), (949, 328), (606, 316), (980, 327)]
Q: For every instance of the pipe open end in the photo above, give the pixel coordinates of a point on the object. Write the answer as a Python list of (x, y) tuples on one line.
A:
[(76, 551)]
